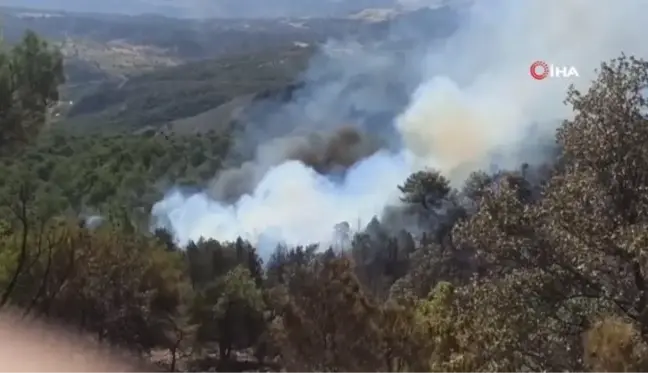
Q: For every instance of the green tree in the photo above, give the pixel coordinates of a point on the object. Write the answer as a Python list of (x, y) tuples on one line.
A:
[(30, 74), (117, 285), (577, 252), (426, 189), (230, 313), (327, 323)]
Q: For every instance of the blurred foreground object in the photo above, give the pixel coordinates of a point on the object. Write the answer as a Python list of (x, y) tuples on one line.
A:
[(34, 346)]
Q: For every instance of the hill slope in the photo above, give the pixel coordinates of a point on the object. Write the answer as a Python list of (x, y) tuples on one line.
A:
[(165, 95), (164, 90)]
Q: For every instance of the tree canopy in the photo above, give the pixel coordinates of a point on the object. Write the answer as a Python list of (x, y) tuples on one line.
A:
[(537, 268), (30, 74)]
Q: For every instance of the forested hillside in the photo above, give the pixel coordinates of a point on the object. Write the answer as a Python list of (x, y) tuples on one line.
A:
[(168, 94), (109, 48), (127, 45), (537, 268), (178, 37), (132, 72)]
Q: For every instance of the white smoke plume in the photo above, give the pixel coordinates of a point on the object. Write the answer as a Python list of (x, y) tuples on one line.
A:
[(476, 98)]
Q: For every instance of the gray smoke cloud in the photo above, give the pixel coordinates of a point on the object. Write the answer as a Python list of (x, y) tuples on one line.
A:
[(325, 152), (470, 102)]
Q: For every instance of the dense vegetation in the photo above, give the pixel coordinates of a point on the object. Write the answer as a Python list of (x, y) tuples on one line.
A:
[(530, 269)]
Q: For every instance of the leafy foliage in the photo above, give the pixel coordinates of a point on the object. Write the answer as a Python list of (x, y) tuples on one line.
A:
[(103, 174), (29, 77), (530, 269)]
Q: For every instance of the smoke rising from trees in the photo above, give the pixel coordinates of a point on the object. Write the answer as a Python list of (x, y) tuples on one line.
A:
[(472, 105)]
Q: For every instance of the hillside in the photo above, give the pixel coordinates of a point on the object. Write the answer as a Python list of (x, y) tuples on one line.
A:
[(181, 38), (165, 95), (118, 44), (102, 48), (143, 79)]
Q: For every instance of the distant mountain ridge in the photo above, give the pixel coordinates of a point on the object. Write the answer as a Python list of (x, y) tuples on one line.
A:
[(210, 8), (212, 94), (149, 72)]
